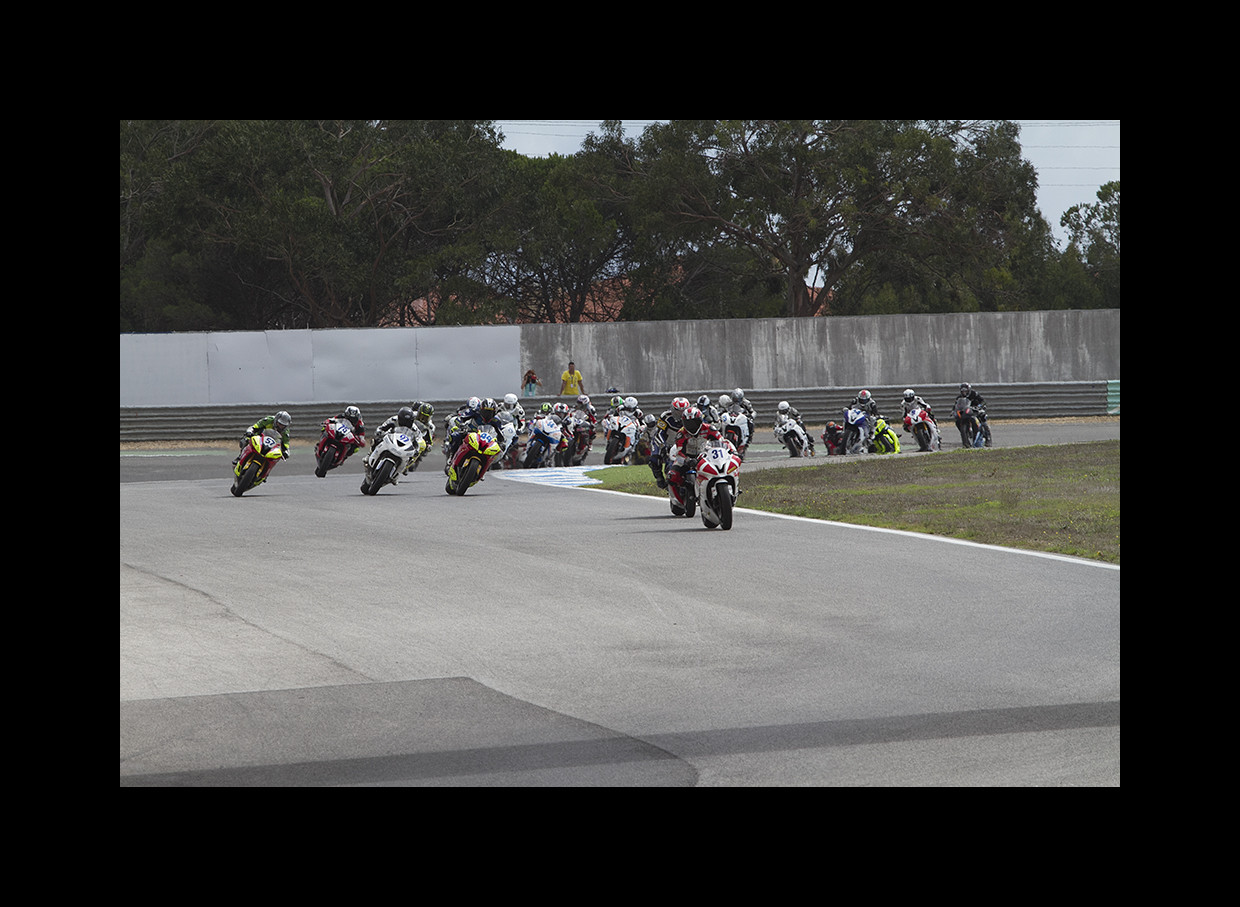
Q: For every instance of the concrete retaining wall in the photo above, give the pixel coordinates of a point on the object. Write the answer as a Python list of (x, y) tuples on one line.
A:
[(453, 363)]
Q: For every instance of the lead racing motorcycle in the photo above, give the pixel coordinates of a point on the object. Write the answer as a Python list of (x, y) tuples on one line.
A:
[(261, 453), (718, 484)]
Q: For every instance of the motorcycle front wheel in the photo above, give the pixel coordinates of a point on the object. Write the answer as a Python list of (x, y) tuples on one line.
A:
[(723, 507), (246, 480)]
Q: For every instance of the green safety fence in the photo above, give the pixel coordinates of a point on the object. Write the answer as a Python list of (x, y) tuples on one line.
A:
[(1112, 398)]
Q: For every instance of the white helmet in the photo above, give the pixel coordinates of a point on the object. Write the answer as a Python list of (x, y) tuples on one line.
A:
[(630, 402), (738, 395), (510, 401), (724, 401), (783, 406)]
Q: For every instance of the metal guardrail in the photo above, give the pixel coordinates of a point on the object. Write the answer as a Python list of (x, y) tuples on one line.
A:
[(816, 404)]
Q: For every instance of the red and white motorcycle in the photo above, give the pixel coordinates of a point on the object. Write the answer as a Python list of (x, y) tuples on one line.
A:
[(718, 484)]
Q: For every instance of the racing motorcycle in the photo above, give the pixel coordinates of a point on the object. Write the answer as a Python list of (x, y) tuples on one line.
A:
[(545, 437), (856, 431), (390, 458), (620, 431), (788, 432), (337, 442), (577, 435), (885, 440), (261, 453), (736, 427), (718, 484), (833, 438), (923, 428), (969, 423), (475, 453)]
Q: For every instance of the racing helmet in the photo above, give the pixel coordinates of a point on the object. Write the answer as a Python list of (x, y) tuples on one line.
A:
[(488, 409), (964, 389), (693, 421), (425, 411), (404, 417), (510, 401), (617, 401), (738, 395), (724, 401), (630, 402), (283, 420), (680, 405), (545, 409), (473, 404), (783, 406), (908, 394), (560, 409), (583, 401), (353, 414), (864, 396), (703, 401)]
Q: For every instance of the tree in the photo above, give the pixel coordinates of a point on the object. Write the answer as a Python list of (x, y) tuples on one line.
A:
[(1093, 237), (813, 199)]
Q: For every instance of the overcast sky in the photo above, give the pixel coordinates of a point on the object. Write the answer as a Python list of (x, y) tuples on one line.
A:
[(1073, 157)]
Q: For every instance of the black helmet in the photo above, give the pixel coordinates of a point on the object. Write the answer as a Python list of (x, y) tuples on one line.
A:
[(489, 408), (404, 417)]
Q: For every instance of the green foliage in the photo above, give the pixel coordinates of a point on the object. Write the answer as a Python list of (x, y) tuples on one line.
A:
[(255, 224)]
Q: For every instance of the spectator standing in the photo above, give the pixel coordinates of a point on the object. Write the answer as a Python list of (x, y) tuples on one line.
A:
[(530, 382), (570, 382)]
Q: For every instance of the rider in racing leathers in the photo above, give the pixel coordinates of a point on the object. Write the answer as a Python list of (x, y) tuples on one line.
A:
[(689, 440), (280, 422), (978, 402), (787, 409), (486, 416), (667, 424), (407, 418)]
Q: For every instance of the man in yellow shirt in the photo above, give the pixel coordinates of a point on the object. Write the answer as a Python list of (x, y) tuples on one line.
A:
[(570, 382)]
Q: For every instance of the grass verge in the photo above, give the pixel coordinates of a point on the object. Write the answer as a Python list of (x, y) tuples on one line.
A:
[(1061, 498)]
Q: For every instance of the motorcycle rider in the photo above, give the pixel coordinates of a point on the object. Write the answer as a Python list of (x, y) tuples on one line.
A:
[(353, 416), (728, 407), (694, 432), (911, 400), (787, 409), (667, 424), (739, 399), (405, 419), (280, 422), (978, 402), (833, 437), (485, 416), (865, 400), (709, 411), (582, 408)]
